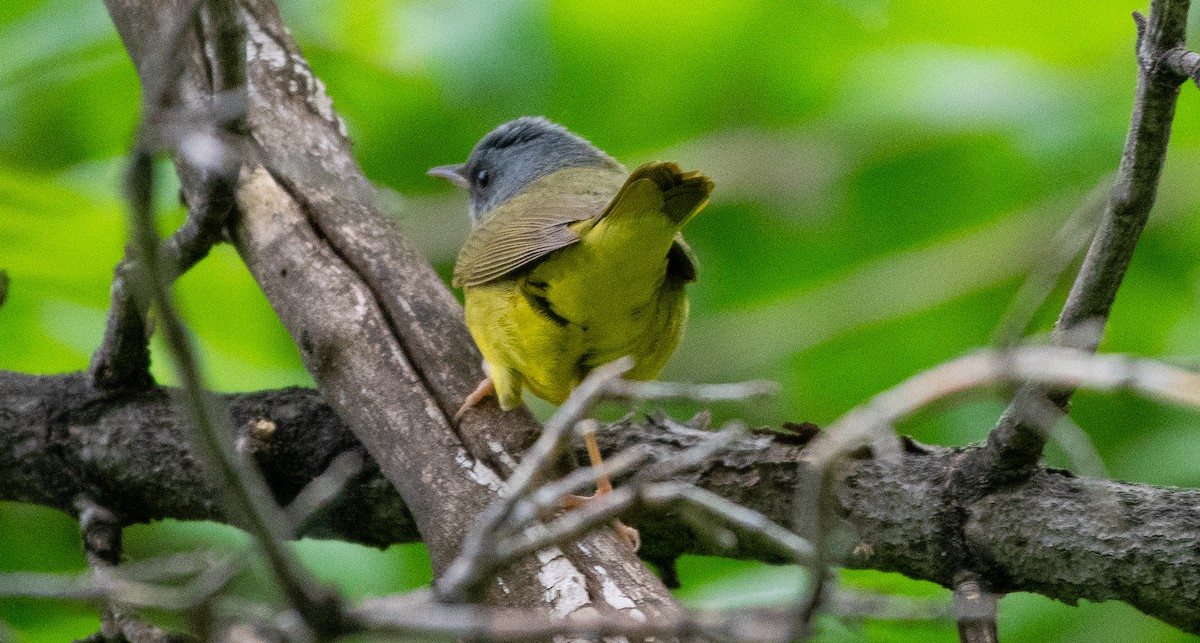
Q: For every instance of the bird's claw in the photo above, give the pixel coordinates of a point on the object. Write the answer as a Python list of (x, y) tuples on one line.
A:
[(485, 388), (625, 533)]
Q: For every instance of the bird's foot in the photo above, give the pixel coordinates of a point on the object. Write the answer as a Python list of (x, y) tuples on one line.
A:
[(485, 388), (625, 533)]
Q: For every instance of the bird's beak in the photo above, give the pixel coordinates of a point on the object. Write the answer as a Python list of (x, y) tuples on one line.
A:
[(452, 173)]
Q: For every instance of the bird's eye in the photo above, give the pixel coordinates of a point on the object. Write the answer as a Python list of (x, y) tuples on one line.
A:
[(483, 178)]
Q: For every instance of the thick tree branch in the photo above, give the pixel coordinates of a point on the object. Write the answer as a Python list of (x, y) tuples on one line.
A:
[(1064, 537), (381, 334), (1015, 446)]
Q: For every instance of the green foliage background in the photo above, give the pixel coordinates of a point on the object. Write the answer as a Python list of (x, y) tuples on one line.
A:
[(887, 171)]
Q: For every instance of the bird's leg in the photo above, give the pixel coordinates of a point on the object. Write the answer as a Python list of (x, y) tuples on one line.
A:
[(485, 388), (603, 487)]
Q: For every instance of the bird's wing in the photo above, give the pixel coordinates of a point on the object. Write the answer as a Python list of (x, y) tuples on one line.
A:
[(534, 223), (538, 221)]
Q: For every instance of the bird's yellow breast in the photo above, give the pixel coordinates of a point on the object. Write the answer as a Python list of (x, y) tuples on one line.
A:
[(548, 328)]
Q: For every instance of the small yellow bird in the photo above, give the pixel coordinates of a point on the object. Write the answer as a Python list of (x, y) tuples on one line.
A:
[(572, 262)]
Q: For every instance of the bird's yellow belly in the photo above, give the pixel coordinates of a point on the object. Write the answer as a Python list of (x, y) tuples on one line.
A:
[(529, 341)]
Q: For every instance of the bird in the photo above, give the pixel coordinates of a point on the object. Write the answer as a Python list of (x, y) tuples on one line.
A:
[(572, 261)]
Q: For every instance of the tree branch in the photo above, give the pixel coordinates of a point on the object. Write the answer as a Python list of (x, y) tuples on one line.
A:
[(1064, 537), (238, 482), (1015, 446), (380, 333)]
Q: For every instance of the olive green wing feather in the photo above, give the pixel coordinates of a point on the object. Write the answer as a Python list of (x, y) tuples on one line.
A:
[(534, 223), (503, 244), (538, 221)]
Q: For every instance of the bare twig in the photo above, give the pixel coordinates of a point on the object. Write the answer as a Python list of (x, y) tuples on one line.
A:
[(656, 390), (122, 360), (461, 576), (605, 508), (799, 549), (3, 287), (101, 531), (243, 486), (1045, 272), (1042, 366), (123, 357), (550, 495), (813, 514), (416, 614), (514, 534), (1183, 62), (102, 547), (1015, 445), (646, 488), (324, 488), (975, 610), (244, 489), (133, 590)]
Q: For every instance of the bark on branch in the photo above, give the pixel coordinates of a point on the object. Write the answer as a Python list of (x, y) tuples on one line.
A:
[(380, 333), (1064, 537), (1015, 446)]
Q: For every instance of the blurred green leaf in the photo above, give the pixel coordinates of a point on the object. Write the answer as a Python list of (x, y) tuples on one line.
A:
[(886, 171)]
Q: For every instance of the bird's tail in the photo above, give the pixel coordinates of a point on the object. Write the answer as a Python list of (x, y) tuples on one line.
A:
[(683, 193), (641, 225)]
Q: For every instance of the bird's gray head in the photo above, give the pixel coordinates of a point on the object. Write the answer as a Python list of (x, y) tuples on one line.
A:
[(515, 154)]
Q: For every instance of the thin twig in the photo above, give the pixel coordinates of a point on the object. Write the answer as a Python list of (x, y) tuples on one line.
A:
[(798, 548), (101, 532), (1015, 446), (475, 560), (324, 488), (1049, 366), (1184, 62), (466, 573), (116, 585), (975, 610), (643, 488), (1047, 269), (511, 539), (416, 615), (123, 357), (812, 513), (655, 390), (462, 576), (550, 495), (1053, 366), (246, 494), (122, 360)]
